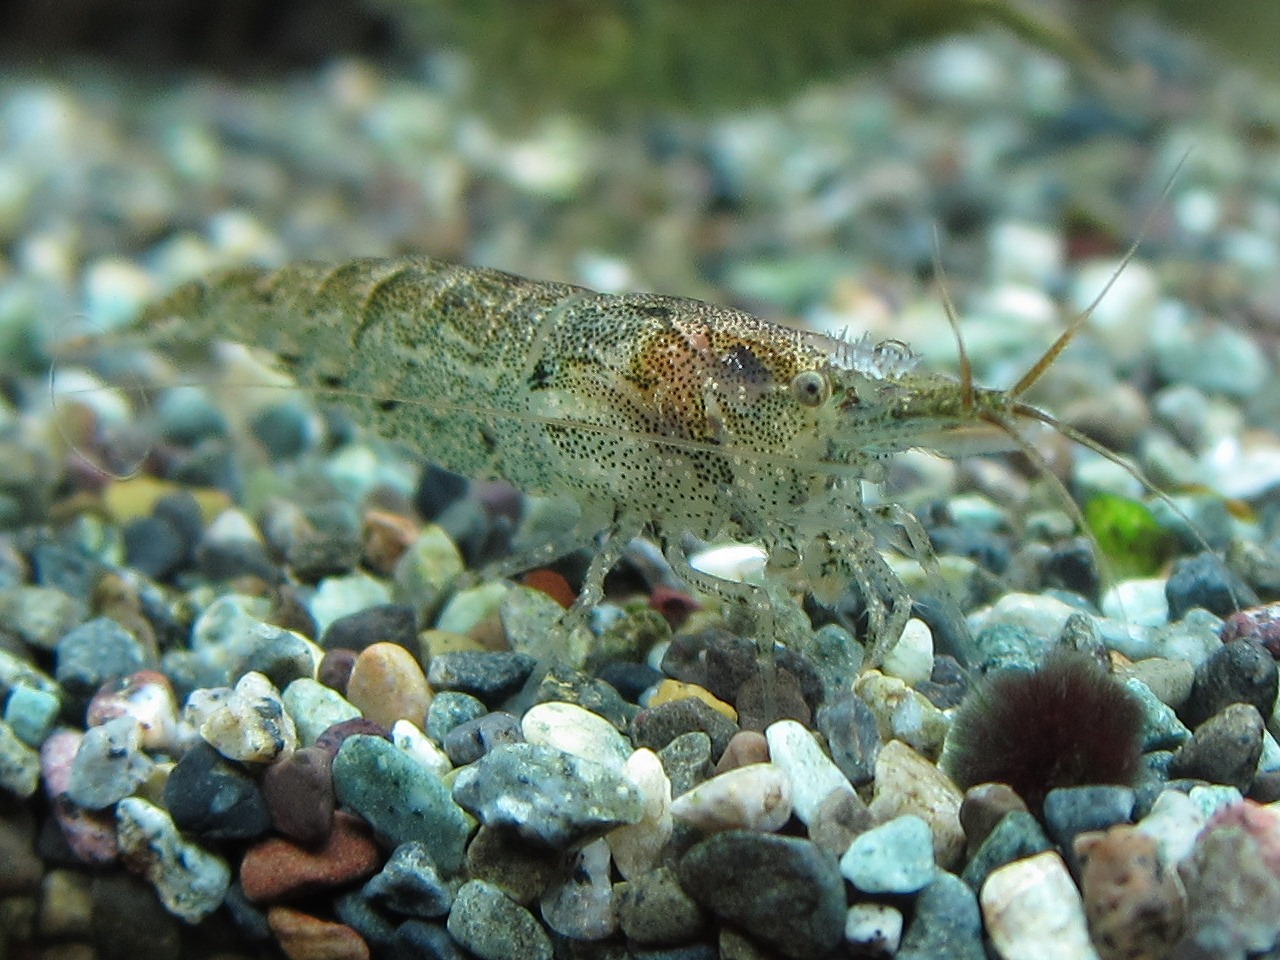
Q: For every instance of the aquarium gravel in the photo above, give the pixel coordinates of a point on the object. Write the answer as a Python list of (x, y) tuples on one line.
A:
[(260, 695)]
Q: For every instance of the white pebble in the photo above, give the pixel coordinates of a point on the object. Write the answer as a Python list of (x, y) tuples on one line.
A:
[(874, 928), (754, 797), (1033, 911), (638, 847), (814, 776), (248, 723), (1173, 822), (190, 881), (1141, 601), (422, 748), (575, 730), (911, 658)]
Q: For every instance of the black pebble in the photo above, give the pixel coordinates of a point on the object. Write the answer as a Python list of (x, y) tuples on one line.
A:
[(1241, 671), (210, 797), (1204, 581), (387, 622)]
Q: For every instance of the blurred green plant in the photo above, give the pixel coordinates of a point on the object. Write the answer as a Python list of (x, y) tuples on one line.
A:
[(1129, 535)]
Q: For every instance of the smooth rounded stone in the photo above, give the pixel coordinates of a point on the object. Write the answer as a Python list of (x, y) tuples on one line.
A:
[(39, 616), (20, 769), (213, 799), (280, 655), (813, 775), (1169, 680), (658, 726), (148, 697), (490, 676), (247, 722), (190, 881), (1232, 895), (387, 685), (298, 790), (754, 797), (1238, 672), (30, 714), (745, 747), (1069, 811), (908, 783), (66, 905), (450, 708), (654, 910), (521, 868), (903, 713), (687, 761), (568, 727), (1224, 749), (894, 857), (580, 905), (335, 668), (95, 652), (911, 658), (109, 765), (492, 926), (1205, 581), (853, 736), (302, 936), (351, 595), (1161, 728), (984, 806), (401, 799), (129, 922), (873, 929), (768, 697), (1017, 836), (315, 708), (468, 609), (429, 563), (412, 741), (468, 742), (419, 940), (278, 869), (1033, 911), (946, 922), (639, 847), (410, 884), (841, 818), (1133, 904), (782, 891), (393, 623), (546, 795)]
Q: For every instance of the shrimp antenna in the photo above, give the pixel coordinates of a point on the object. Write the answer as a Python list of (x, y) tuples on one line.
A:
[(966, 368), (1046, 360)]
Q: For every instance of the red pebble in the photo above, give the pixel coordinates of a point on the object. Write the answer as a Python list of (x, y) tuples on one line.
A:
[(1257, 623), (277, 869), (304, 937), (552, 584), (674, 605)]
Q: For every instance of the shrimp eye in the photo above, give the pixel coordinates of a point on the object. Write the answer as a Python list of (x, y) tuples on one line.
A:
[(810, 388)]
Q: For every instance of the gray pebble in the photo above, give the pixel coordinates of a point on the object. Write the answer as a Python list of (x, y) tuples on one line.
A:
[(521, 868), (401, 799), (1071, 811), (19, 765), (654, 910), (489, 676), (190, 881), (1238, 672), (419, 940), (782, 891), (546, 795), (1205, 581), (469, 741), (280, 655), (1016, 836), (410, 884), (94, 653), (580, 905), (491, 925), (1223, 749), (109, 765), (377, 929), (31, 713), (658, 726), (448, 709), (566, 685), (38, 615), (946, 923), (1161, 728), (315, 708), (686, 761), (852, 736), (894, 857)]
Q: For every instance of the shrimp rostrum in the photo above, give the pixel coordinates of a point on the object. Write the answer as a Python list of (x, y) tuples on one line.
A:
[(649, 413)]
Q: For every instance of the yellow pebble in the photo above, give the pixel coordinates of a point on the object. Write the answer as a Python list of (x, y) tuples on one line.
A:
[(669, 690)]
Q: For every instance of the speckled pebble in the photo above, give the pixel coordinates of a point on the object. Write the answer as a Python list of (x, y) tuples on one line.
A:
[(1133, 904), (30, 714), (1233, 899), (409, 884), (469, 741), (492, 926), (386, 685), (546, 795), (247, 722), (903, 713), (212, 798), (315, 708), (894, 857), (298, 790), (276, 869), (908, 783), (946, 923), (148, 697), (448, 709), (800, 912), (109, 764), (95, 652), (190, 881), (1224, 749), (840, 819), (658, 726), (1238, 672), (488, 676), (402, 800), (754, 797), (873, 929), (686, 760), (853, 736), (568, 727), (580, 904), (654, 910), (1033, 911)]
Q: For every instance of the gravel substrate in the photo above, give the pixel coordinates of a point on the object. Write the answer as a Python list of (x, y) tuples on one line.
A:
[(258, 694)]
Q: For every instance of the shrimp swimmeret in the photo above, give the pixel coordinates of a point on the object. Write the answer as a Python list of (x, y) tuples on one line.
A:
[(650, 413)]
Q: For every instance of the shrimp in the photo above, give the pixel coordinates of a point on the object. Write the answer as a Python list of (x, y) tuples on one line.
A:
[(648, 413)]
